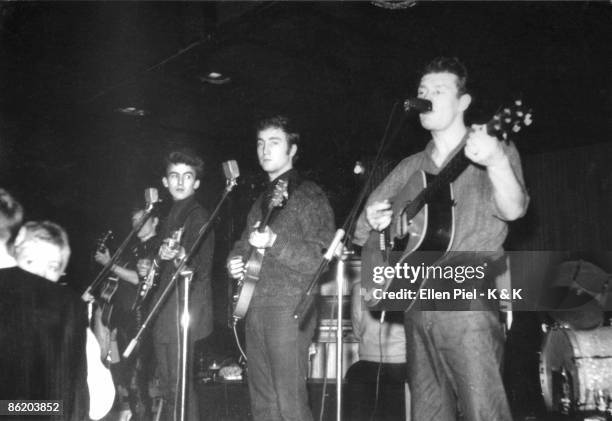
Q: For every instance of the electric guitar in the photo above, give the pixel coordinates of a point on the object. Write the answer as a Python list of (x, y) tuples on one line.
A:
[(149, 282), (422, 227), (246, 286)]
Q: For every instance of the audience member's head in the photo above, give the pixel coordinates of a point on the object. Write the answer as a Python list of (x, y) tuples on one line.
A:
[(42, 248), (11, 215)]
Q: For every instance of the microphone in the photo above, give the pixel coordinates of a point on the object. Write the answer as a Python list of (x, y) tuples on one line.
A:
[(151, 196), (230, 169), (417, 104)]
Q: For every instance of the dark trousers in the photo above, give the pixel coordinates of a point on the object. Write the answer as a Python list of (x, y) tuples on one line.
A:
[(278, 364), (167, 359), (454, 366), (361, 390), (131, 376)]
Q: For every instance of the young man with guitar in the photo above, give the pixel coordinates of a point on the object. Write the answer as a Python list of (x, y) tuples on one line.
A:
[(182, 225), (275, 259), (122, 318), (453, 357)]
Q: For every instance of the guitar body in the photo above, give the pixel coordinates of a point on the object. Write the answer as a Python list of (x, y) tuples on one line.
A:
[(146, 285), (422, 229), (116, 300), (246, 288), (150, 282), (106, 299), (430, 231)]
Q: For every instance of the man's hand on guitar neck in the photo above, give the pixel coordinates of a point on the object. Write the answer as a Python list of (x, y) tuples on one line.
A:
[(484, 149), (236, 267), (511, 198), (379, 214), (102, 256)]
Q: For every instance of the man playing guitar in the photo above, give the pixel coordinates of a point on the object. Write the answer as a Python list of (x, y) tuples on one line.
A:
[(182, 175), (130, 376), (454, 357), (277, 349)]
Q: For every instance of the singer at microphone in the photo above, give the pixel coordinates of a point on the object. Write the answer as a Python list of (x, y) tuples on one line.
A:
[(291, 237), (417, 104), (183, 173), (478, 187)]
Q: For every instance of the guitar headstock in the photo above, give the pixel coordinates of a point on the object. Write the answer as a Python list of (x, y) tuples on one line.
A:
[(104, 238), (510, 120), (279, 195)]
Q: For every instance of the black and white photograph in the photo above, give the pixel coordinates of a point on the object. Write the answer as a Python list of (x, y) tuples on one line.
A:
[(371, 210)]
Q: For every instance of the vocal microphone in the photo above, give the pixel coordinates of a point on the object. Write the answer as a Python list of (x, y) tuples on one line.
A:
[(230, 169), (417, 104), (151, 196)]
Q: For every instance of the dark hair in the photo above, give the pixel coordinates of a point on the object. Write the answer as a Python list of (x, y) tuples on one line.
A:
[(283, 123), (11, 215), (449, 65), (187, 157)]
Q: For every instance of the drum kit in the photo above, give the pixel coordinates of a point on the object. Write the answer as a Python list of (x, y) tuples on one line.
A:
[(576, 358), (576, 370)]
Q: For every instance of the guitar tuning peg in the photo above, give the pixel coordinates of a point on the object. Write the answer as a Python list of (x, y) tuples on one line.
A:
[(505, 136), (506, 111), (507, 120), (519, 113)]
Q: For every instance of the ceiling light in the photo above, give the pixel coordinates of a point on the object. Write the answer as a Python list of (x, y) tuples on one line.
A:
[(132, 111), (215, 78)]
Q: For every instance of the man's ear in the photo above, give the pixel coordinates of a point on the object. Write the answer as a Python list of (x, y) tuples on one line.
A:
[(165, 182), (464, 101), (21, 235), (293, 150), (196, 184)]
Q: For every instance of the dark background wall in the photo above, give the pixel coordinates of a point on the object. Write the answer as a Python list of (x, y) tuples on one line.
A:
[(338, 67)]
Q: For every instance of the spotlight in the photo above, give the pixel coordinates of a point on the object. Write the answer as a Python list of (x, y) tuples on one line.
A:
[(215, 78)]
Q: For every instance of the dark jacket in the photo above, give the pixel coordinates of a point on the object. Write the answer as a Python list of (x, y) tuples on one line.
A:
[(192, 216), (304, 227), (42, 336)]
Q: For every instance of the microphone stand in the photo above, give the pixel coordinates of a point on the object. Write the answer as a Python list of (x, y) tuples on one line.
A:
[(340, 277), (187, 276), (101, 277), (305, 305), (180, 270)]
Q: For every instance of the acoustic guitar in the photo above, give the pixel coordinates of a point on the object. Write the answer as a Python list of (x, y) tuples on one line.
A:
[(423, 223)]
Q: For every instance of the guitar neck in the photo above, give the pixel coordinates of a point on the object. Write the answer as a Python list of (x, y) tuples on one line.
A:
[(262, 226)]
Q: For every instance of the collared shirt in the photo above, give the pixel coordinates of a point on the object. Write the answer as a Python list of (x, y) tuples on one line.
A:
[(477, 225)]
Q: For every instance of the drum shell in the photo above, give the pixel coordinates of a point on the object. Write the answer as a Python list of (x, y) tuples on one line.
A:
[(586, 356)]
